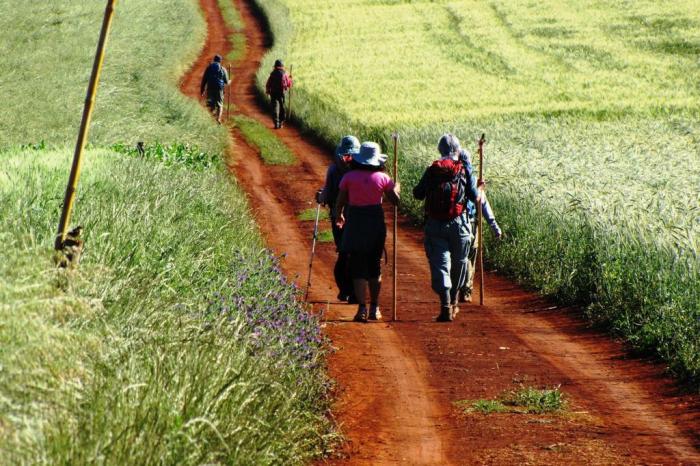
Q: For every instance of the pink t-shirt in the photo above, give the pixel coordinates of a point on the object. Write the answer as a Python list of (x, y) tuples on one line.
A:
[(365, 187)]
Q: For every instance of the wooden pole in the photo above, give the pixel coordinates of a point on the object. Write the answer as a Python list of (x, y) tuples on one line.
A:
[(228, 101), (69, 197), (480, 236), (395, 137), (291, 76)]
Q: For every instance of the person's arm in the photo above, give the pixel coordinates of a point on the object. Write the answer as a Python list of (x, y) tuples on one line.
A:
[(227, 79), (203, 84), (393, 193), (340, 204), (322, 195), (268, 84), (490, 218), (421, 189)]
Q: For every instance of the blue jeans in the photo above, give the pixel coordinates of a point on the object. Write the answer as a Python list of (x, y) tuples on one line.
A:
[(447, 245)]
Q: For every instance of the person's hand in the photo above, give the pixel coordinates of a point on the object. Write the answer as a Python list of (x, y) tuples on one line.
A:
[(397, 187), (340, 221), (320, 198), (481, 184)]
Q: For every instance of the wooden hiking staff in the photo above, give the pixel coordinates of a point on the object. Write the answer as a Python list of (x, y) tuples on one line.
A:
[(480, 216), (395, 137), (74, 176), (291, 77), (228, 94)]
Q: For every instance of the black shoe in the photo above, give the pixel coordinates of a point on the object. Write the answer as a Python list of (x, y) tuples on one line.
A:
[(343, 297), (445, 314), (361, 315)]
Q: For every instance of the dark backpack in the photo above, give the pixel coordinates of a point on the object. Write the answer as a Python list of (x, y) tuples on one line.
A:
[(215, 77), (277, 81), (445, 196)]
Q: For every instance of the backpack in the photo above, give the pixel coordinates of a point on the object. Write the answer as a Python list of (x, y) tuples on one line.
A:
[(445, 195), (215, 77), (277, 81)]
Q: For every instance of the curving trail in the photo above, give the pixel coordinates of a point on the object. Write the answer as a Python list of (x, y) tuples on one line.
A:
[(398, 381)]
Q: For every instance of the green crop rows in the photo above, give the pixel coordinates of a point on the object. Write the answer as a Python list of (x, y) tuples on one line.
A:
[(592, 117)]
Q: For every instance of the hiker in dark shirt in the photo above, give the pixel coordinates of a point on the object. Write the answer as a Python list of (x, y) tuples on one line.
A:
[(214, 80), (277, 84), (348, 146), (447, 186)]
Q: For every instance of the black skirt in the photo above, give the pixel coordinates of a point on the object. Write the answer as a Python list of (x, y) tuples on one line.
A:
[(365, 230)]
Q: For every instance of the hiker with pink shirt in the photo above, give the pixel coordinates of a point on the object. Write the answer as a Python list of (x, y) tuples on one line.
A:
[(359, 205)]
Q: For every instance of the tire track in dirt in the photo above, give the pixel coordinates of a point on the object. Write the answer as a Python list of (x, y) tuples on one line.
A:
[(397, 380)]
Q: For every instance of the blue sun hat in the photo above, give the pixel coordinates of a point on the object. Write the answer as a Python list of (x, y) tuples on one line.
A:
[(448, 145), (370, 154), (348, 145)]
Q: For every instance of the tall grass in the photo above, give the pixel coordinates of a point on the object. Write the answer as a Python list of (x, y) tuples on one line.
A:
[(47, 68), (593, 126), (176, 341)]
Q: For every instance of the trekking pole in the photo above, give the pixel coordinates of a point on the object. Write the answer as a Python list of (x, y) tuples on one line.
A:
[(74, 176), (228, 100), (291, 76), (395, 137), (313, 250), (480, 235)]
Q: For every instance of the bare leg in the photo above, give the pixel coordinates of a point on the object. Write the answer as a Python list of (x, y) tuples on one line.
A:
[(360, 286), (375, 286)]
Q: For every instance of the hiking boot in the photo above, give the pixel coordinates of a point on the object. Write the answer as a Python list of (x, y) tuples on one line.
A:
[(445, 314), (361, 315), (374, 312)]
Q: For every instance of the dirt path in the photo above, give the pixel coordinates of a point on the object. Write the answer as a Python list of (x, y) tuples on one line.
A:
[(398, 381)]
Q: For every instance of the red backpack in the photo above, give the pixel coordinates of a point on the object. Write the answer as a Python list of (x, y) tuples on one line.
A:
[(445, 196)]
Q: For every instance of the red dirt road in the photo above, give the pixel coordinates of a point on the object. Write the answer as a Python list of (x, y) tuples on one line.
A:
[(398, 381)]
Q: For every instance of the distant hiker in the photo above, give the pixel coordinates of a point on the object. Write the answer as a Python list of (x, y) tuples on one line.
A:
[(277, 84), (447, 186), (348, 146), (214, 80), (360, 196), (465, 294)]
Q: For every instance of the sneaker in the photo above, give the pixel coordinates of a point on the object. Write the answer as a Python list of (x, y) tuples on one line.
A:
[(374, 312), (361, 315), (445, 314)]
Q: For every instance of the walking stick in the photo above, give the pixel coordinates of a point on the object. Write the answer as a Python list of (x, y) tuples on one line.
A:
[(291, 77), (480, 235), (228, 100), (313, 250), (74, 176), (395, 137)]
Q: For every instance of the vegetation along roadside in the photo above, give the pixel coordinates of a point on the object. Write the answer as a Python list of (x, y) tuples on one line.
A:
[(177, 340)]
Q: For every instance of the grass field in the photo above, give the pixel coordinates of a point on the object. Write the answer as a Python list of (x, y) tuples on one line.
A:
[(46, 74), (177, 340), (591, 112)]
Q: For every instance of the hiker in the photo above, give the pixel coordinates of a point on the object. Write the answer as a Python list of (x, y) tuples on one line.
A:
[(465, 295), (214, 79), (447, 186), (328, 195), (277, 84), (360, 196)]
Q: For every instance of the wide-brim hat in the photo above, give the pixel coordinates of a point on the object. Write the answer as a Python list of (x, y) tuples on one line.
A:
[(370, 154), (348, 145)]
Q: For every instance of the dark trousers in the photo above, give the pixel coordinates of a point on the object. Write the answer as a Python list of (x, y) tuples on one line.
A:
[(279, 113), (341, 271)]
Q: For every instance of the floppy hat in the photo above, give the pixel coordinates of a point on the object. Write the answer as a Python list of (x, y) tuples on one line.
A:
[(448, 145), (370, 154), (348, 145)]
